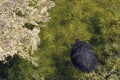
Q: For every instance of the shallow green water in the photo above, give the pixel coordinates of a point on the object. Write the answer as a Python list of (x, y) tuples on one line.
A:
[(95, 22)]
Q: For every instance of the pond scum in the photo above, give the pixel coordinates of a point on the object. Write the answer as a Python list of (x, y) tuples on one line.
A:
[(93, 21)]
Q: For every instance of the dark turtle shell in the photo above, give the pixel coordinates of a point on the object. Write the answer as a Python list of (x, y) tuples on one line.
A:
[(83, 56)]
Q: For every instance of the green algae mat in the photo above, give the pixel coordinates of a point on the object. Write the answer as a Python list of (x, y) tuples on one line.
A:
[(93, 21)]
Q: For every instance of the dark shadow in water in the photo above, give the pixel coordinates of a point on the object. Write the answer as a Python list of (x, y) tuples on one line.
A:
[(15, 68)]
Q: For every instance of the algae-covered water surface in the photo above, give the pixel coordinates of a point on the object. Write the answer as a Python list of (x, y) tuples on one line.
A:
[(92, 21)]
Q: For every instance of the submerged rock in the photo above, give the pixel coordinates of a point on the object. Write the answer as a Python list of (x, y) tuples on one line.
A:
[(14, 37)]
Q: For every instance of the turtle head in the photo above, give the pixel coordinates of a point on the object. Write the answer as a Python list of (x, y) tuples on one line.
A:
[(77, 40)]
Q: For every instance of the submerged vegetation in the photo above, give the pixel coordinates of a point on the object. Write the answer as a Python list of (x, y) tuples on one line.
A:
[(93, 21)]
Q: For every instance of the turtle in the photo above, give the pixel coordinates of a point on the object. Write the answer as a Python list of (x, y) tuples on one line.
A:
[(83, 56)]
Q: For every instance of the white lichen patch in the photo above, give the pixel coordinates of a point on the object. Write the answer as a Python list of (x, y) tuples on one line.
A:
[(14, 38)]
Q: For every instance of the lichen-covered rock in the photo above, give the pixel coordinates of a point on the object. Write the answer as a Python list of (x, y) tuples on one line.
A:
[(83, 56), (14, 14)]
